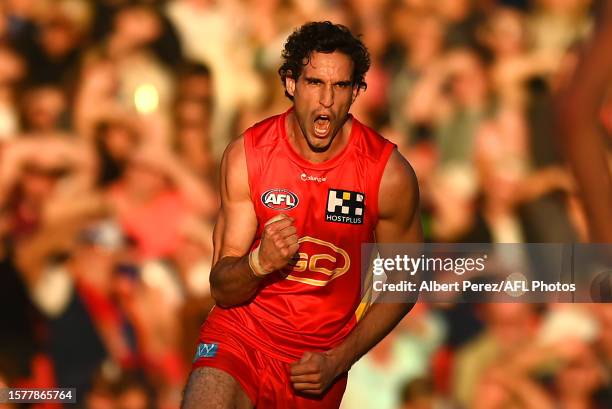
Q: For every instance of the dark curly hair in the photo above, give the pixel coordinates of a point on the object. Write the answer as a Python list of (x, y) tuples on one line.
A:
[(324, 37)]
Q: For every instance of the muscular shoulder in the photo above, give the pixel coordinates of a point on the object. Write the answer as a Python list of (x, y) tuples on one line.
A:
[(234, 173), (398, 195), (234, 152)]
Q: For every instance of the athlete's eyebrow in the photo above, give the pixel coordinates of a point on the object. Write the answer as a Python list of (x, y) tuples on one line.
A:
[(313, 80)]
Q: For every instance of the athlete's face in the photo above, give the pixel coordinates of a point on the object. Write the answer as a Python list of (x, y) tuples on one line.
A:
[(322, 97)]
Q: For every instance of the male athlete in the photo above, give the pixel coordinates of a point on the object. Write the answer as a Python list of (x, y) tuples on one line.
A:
[(301, 192)]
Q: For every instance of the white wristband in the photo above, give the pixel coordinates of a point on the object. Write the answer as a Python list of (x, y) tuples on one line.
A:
[(256, 267)]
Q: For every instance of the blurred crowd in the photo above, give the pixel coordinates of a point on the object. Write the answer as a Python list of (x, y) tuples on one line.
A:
[(113, 118)]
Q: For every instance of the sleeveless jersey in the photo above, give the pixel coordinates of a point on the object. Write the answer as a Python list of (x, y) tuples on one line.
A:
[(312, 305)]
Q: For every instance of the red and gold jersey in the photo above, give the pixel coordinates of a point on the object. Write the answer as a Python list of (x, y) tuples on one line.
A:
[(310, 306)]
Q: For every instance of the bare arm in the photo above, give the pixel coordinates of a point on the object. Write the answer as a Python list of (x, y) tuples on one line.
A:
[(582, 136), (399, 222), (232, 281)]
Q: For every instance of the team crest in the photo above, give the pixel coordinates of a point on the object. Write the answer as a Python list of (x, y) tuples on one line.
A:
[(345, 206)]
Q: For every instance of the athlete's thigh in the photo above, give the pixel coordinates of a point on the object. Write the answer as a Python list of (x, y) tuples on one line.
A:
[(211, 388)]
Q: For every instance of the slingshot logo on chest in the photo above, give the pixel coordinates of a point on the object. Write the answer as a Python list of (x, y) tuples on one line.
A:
[(279, 199)]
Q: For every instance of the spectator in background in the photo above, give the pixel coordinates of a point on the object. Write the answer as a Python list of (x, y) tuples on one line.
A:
[(453, 98), (155, 196), (421, 38), (505, 35), (12, 71), (224, 52), (453, 196), (124, 314), (144, 83), (75, 298), (419, 393), (192, 264), (505, 140), (272, 21), (21, 19), (44, 110), (101, 117), (193, 116), (18, 316), (582, 381), (462, 20), (56, 47), (556, 24), (114, 143), (30, 192), (373, 107), (509, 328), (578, 379), (195, 82), (97, 97), (135, 393), (126, 391), (192, 139), (404, 355)]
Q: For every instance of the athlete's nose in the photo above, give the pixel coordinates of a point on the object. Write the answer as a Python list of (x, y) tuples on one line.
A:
[(327, 96)]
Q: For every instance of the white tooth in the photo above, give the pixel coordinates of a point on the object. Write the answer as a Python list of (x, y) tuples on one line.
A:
[(321, 130)]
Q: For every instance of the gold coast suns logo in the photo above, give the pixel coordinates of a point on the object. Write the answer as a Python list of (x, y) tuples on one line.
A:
[(319, 262)]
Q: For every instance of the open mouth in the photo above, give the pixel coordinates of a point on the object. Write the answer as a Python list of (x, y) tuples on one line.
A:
[(322, 124)]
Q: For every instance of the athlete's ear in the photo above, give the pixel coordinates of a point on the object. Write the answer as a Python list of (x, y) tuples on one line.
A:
[(290, 85)]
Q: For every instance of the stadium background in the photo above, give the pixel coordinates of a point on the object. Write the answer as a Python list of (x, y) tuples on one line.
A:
[(113, 117)]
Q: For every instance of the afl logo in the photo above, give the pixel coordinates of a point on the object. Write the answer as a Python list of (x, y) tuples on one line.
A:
[(279, 199)]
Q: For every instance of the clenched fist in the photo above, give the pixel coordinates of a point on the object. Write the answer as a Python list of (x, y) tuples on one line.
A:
[(279, 244), (314, 373)]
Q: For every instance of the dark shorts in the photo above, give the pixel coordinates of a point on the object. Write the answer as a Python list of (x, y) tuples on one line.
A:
[(264, 379)]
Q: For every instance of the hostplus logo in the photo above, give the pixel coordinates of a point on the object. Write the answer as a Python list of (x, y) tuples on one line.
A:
[(345, 206)]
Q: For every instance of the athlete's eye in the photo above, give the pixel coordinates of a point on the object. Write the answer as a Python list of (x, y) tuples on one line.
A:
[(313, 81)]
